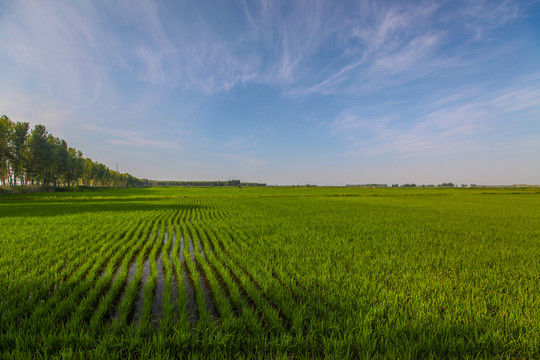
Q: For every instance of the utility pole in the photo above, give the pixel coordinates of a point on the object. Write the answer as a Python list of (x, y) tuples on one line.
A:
[(117, 166)]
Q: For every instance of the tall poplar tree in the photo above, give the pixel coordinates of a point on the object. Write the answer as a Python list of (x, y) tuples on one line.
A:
[(19, 151), (39, 158), (5, 135), (40, 155)]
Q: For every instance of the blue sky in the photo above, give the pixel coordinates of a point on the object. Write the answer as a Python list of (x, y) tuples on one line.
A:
[(283, 92)]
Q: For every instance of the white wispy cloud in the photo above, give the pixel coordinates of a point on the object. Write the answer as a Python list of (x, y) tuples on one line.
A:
[(481, 17), (302, 46), (55, 43), (35, 110), (450, 124), (130, 138), (154, 52), (403, 59), (153, 63), (381, 45)]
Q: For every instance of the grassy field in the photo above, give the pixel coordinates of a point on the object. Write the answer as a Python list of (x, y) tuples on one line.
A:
[(271, 273)]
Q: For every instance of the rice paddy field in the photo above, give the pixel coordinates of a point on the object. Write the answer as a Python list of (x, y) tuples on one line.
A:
[(271, 273)]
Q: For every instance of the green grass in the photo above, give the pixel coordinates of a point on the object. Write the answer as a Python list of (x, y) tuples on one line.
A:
[(271, 273)]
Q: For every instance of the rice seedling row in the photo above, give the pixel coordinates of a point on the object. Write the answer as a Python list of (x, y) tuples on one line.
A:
[(272, 273)]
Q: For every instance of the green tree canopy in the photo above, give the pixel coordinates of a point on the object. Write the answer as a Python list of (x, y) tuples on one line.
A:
[(37, 157)]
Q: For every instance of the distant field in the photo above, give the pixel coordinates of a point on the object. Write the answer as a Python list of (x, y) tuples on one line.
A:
[(271, 273)]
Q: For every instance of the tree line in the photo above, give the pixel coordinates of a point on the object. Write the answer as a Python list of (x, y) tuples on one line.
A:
[(37, 158), (210, 183)]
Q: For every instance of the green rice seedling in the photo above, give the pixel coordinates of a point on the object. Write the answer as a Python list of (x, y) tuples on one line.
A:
[(167, 306), (131, 246), (53, 279), (182, 329), (59, 305), (291, 273), (149, 286), (250, 315), (270, 314), (106, 301), (127, 303), (281, 296), (204, 316), (227, 319)]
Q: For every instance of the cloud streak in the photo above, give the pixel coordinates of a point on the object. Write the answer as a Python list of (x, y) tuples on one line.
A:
[(136, 139), (55, 43), (303, 47), (453, 124), (261, 79)]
